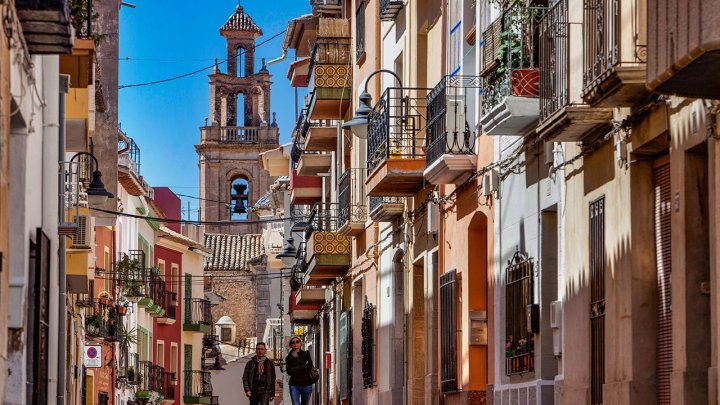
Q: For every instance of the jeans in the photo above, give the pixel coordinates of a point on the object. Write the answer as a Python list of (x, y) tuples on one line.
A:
[(260, 398), (300, 395)]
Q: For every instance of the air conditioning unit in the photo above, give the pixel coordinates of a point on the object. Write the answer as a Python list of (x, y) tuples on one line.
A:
[(455, 125), (555, 326), (84, 237), (433, 218)]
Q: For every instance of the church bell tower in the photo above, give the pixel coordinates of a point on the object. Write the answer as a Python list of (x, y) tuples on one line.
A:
[(239, 128)]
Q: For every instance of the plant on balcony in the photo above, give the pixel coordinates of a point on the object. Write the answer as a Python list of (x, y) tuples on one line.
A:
[(130, 277), (92, 325), (80, 14)]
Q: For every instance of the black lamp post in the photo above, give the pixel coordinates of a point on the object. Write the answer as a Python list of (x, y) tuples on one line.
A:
[(359, 123), (289, 252)]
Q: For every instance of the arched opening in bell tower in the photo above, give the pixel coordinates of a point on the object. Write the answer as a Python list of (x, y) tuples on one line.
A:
[(240, 61), (240, 109), (239, 199)]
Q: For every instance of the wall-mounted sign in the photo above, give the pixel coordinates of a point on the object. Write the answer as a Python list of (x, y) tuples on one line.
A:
[(92, 358), (478, 328)]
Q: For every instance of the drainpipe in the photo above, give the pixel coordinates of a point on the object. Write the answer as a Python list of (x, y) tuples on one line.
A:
[(62, 277), (278, 60)]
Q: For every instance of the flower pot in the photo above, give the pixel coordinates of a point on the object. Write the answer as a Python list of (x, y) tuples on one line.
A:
[(121, 309), (525, 82), (103, 300)]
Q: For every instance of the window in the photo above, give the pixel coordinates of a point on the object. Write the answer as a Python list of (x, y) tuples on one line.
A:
[(360, 30), (174, 278), (160, 354), (368, 344), (240, 54), (448, 332), (597, 300), (143, 344), (173, 357), (225, 334), (519, 354)]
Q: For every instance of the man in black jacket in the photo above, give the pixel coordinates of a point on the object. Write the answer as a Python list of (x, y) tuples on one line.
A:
[(259, 377)]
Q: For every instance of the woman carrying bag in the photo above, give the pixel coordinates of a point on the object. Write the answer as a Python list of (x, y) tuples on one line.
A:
[(302, 373)]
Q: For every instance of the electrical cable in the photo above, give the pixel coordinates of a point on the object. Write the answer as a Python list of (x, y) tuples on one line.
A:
[(127, 86), (188, 221)]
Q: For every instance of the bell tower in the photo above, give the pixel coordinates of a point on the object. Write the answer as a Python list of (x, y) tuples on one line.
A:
[(239, 128)]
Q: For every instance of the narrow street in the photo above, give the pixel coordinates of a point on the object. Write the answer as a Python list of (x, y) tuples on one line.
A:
[(360, 202)]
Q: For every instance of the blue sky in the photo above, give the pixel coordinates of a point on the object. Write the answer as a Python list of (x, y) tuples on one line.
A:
[(164, 38)]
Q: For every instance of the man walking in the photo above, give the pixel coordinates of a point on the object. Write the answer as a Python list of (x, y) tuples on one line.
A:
[(259, 377)]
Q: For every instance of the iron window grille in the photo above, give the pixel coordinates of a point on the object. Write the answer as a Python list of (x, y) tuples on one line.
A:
[(323, 217), (368, 344), (448, 332), (514, 37), (448, 131), (519, 351), (360, 30), (396, 125), (554, 65), (351, 197), (597, 300)]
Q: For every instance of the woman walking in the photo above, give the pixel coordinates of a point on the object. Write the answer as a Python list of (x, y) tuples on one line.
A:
[(299, 365)]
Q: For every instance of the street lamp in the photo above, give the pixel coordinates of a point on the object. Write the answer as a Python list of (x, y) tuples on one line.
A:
[(289, 252), (96, 189), (359, 123)]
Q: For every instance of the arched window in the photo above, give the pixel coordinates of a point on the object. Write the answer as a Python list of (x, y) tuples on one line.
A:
[(239, 201), (240, 56)]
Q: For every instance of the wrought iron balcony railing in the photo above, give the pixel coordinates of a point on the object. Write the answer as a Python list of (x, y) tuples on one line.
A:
[(128, 371), (376, 201), (150, 377), (169, 382), (389, 9), (132, 275), (158, 293), (330, 51), (511, 59), (197, 312), (323, 217), (171, 303), (81, 15), (351, 197), (448, 131), (396, 125), (197, 384), (130, 152), (102, 321), (554, 68)]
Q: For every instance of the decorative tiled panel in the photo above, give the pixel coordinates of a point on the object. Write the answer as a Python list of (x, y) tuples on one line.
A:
[(330, 243), (337, 76)]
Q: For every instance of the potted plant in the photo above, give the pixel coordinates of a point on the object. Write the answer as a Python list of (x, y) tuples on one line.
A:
[(131, 278), (92, 325)]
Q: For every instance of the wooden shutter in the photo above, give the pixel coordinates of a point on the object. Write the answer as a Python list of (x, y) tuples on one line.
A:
[(448, 331), (663, 258), (597, 301), (368, 344), (342, 355)]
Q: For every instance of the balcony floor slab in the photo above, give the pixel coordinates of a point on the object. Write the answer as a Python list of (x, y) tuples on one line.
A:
[(512, 116), (574, 123), (396, 177), (314, 164), (622, 86), (451, 169)]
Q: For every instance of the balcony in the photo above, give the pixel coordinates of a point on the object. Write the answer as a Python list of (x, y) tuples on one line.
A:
[(156, 306), (511, 77), (305, 189), (451, 156), (128, 371), (102, 321), (46, 25), (395, 152), (132, 276), (682, 49), (353, 212), (169, 315), (563, 118), (321, 136), (150, 381), (328, 252), (330, 72), (389, 9), (197, 315), (305, 312), (232, 136), (386, 209), (169, 384), (614, 68), (198, 387), (129, 166)]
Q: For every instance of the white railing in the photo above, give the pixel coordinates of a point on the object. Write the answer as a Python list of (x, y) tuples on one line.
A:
[(240, 134)]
